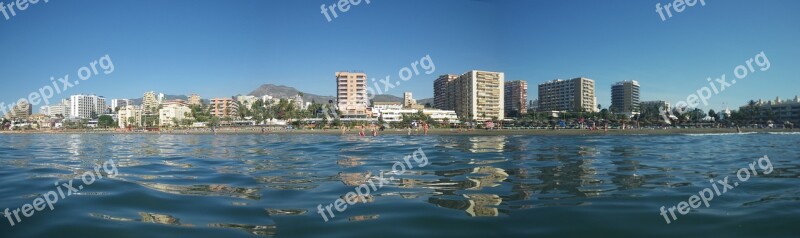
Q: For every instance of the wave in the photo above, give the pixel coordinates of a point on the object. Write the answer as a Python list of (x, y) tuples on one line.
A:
[(721, 134), (784, 133)]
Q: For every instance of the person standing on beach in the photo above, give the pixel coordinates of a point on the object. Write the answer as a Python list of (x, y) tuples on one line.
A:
[(409, 129), (344, 129), (362, 134), (425, 127), (374, 130)]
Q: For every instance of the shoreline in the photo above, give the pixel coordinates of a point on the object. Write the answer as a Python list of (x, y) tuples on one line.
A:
[(440, 132)]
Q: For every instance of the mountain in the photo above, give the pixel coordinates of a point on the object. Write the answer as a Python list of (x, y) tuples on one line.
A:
[(387, 98), (281, 91), (425, 101)]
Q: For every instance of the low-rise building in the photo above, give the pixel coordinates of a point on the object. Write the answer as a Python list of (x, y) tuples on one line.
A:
[(173, 114), (393, 112), (781, 110), (441, 116)]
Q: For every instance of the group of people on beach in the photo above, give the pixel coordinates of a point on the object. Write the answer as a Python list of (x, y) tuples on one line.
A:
[(374, 129)]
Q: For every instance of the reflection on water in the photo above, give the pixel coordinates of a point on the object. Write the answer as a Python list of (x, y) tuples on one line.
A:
[(251, 185), (159, 219), (205, 190), (255, 230), (475, 205), (484, 144)]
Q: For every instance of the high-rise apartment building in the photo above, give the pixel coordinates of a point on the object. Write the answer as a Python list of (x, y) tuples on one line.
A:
[(574, 95), (84, 106), (150, 102), (516, 98), (534, 105), (224, 107), (119, 103), (195, 100), (625, 97), (22, 110), (351, 94), (440, 90), (476, 95), (408, 100)]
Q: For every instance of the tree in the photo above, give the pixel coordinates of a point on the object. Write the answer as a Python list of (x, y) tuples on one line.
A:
[(105, 121), (213, 121), (713, 114), (131, 121)]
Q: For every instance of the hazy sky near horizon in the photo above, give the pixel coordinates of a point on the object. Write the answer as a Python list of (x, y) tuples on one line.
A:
[(225, 48)]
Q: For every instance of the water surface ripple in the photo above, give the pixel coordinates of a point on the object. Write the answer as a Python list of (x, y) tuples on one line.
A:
[(473, 186)]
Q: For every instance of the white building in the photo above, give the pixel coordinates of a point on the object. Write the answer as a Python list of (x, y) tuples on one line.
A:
[(130, 115), (247, 101), (171, 113), (119, 103), (299, 102), (395, 112), (86, 106), (441, 115), (150, 101), (61, 109), (408, 100), (267, 98)]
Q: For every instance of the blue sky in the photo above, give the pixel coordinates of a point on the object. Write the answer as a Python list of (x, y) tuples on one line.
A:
[(219, 49)]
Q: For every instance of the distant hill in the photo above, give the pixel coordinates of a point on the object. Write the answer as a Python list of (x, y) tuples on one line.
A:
[(387, 98), (425, 101), (281, 91)]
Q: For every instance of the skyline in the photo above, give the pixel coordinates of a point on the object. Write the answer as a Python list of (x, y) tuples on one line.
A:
[(177, 49)]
